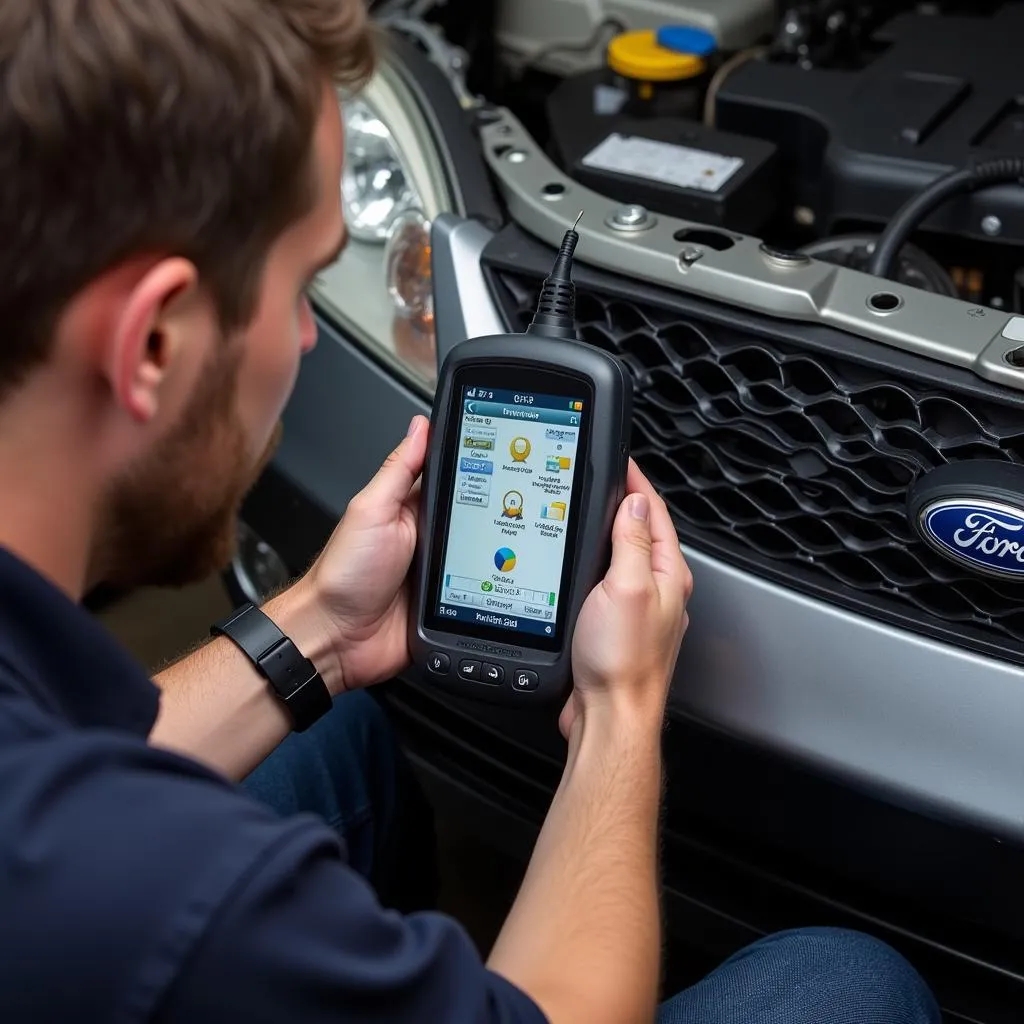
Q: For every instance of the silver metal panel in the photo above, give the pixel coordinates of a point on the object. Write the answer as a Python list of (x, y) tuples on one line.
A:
[(913, 720), (545, 202), (462, 303), (917, 721)]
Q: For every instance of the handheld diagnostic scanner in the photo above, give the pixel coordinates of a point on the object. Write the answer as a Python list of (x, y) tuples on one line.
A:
[(525, 470)]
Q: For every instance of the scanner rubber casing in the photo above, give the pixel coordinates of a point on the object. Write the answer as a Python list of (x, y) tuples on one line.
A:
[(603, 490)]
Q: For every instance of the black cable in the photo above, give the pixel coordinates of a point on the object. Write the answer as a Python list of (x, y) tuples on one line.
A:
[(907, 219), (556, 307)]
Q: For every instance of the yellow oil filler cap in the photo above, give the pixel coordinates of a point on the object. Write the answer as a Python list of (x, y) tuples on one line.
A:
[(639, 56)]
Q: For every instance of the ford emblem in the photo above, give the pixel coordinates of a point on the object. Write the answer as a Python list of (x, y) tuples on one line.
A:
[(972, 513)]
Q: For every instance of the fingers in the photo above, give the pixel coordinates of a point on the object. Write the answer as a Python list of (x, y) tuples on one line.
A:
[(636, 482), (394, 481), (666, 558), (630, 569), (567, 717)]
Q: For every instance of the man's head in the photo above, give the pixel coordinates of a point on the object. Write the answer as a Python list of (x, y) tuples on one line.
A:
[(169, 186)]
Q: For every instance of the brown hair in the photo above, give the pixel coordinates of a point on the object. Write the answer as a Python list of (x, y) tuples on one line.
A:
[(171, 126)]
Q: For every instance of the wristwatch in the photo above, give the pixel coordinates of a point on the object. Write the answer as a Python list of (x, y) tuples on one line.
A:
[(292, 676)]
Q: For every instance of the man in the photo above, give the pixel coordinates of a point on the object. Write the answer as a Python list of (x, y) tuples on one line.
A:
[(169, 176)]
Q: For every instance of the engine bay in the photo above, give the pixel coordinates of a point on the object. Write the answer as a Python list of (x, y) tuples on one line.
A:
[(811, 125)]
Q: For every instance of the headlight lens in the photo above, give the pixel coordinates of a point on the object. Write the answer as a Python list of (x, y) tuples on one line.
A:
[(375, 186), (411, 287), (394, 183), (407, 258)]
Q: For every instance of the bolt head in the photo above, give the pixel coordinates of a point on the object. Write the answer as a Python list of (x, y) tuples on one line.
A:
[(630, 215), (991, 225)]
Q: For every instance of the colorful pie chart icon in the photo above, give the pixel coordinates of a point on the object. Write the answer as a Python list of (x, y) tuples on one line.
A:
[(505, 559)]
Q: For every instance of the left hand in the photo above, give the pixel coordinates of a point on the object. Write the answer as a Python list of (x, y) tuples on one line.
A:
[(358, 584)]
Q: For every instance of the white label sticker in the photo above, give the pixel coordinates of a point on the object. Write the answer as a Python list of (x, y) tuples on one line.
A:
[(663, 161)]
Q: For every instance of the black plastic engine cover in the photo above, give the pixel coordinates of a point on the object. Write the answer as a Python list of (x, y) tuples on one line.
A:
[(855, 145), (745, 202)]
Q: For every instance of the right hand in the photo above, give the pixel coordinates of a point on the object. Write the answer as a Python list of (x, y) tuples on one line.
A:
[(630, 627)]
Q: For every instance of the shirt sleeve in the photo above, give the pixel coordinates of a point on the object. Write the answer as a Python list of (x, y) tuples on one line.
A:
[(302, 938)]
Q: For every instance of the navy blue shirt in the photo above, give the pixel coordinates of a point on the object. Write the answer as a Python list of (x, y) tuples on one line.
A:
[(136, 885)]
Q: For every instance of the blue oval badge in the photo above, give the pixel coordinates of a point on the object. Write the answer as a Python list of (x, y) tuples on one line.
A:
[(987, 535)]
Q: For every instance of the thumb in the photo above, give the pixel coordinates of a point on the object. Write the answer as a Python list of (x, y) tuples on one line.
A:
[(394, 480), (631, 543)]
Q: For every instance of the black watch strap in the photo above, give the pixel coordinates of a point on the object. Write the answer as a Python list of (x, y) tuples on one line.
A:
[(292, 676)]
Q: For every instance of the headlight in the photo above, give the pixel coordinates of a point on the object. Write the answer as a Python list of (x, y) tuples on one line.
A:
[(393, 185), (375, 186)]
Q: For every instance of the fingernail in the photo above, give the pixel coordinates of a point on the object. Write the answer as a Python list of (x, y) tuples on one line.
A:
[(413, 426), (639, 507)]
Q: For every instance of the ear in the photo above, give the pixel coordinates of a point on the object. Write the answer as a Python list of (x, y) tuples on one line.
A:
[(150, 334)]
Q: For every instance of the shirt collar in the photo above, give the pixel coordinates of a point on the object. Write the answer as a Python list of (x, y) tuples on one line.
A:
[(62, 657)]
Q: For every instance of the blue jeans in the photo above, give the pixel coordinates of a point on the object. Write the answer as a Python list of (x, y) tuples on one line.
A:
[(810, 976), (348, 769), (344, 769)]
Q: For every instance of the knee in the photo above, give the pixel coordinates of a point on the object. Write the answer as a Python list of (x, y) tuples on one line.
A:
[(866, 977)]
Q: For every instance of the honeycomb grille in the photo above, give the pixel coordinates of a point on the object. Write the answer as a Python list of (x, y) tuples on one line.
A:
[(799, 463)]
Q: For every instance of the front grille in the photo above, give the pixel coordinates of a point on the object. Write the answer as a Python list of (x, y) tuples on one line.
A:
[(795, 461)]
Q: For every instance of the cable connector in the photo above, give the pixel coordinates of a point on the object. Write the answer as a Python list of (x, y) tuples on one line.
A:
[(556, 308)]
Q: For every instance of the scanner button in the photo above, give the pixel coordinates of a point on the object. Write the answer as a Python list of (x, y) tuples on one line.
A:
[(438, 663), (524, 681), (470, 670), (493, 674), (1014, 329)]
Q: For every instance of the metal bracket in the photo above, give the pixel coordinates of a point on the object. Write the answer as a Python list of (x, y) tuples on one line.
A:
[(742, 271)]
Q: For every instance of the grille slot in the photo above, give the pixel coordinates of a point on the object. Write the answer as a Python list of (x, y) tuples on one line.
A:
[(797, 462)]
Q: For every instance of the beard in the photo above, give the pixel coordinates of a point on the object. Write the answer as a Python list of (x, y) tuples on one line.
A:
[(172, 518)]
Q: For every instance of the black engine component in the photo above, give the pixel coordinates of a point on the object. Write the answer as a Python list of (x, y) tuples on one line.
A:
[(914, 267), (944, 93), (673, 165), (830, 33)]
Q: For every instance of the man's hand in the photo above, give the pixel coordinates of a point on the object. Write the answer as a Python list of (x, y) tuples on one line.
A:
[(630, 627), (356, 590)]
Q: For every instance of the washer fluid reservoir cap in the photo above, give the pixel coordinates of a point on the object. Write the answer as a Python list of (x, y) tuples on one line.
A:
[(637, 55), (686, 39)]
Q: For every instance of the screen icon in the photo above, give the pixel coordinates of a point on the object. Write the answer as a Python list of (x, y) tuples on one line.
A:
[(519, 449), (555, 511), (486, 586), (558, 463), (512, 505), (477, 467), (547, 629), (576, 406), (505, 559), (471, 392)]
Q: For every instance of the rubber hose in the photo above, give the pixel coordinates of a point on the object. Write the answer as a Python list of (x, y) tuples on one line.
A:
[(907, 219)]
